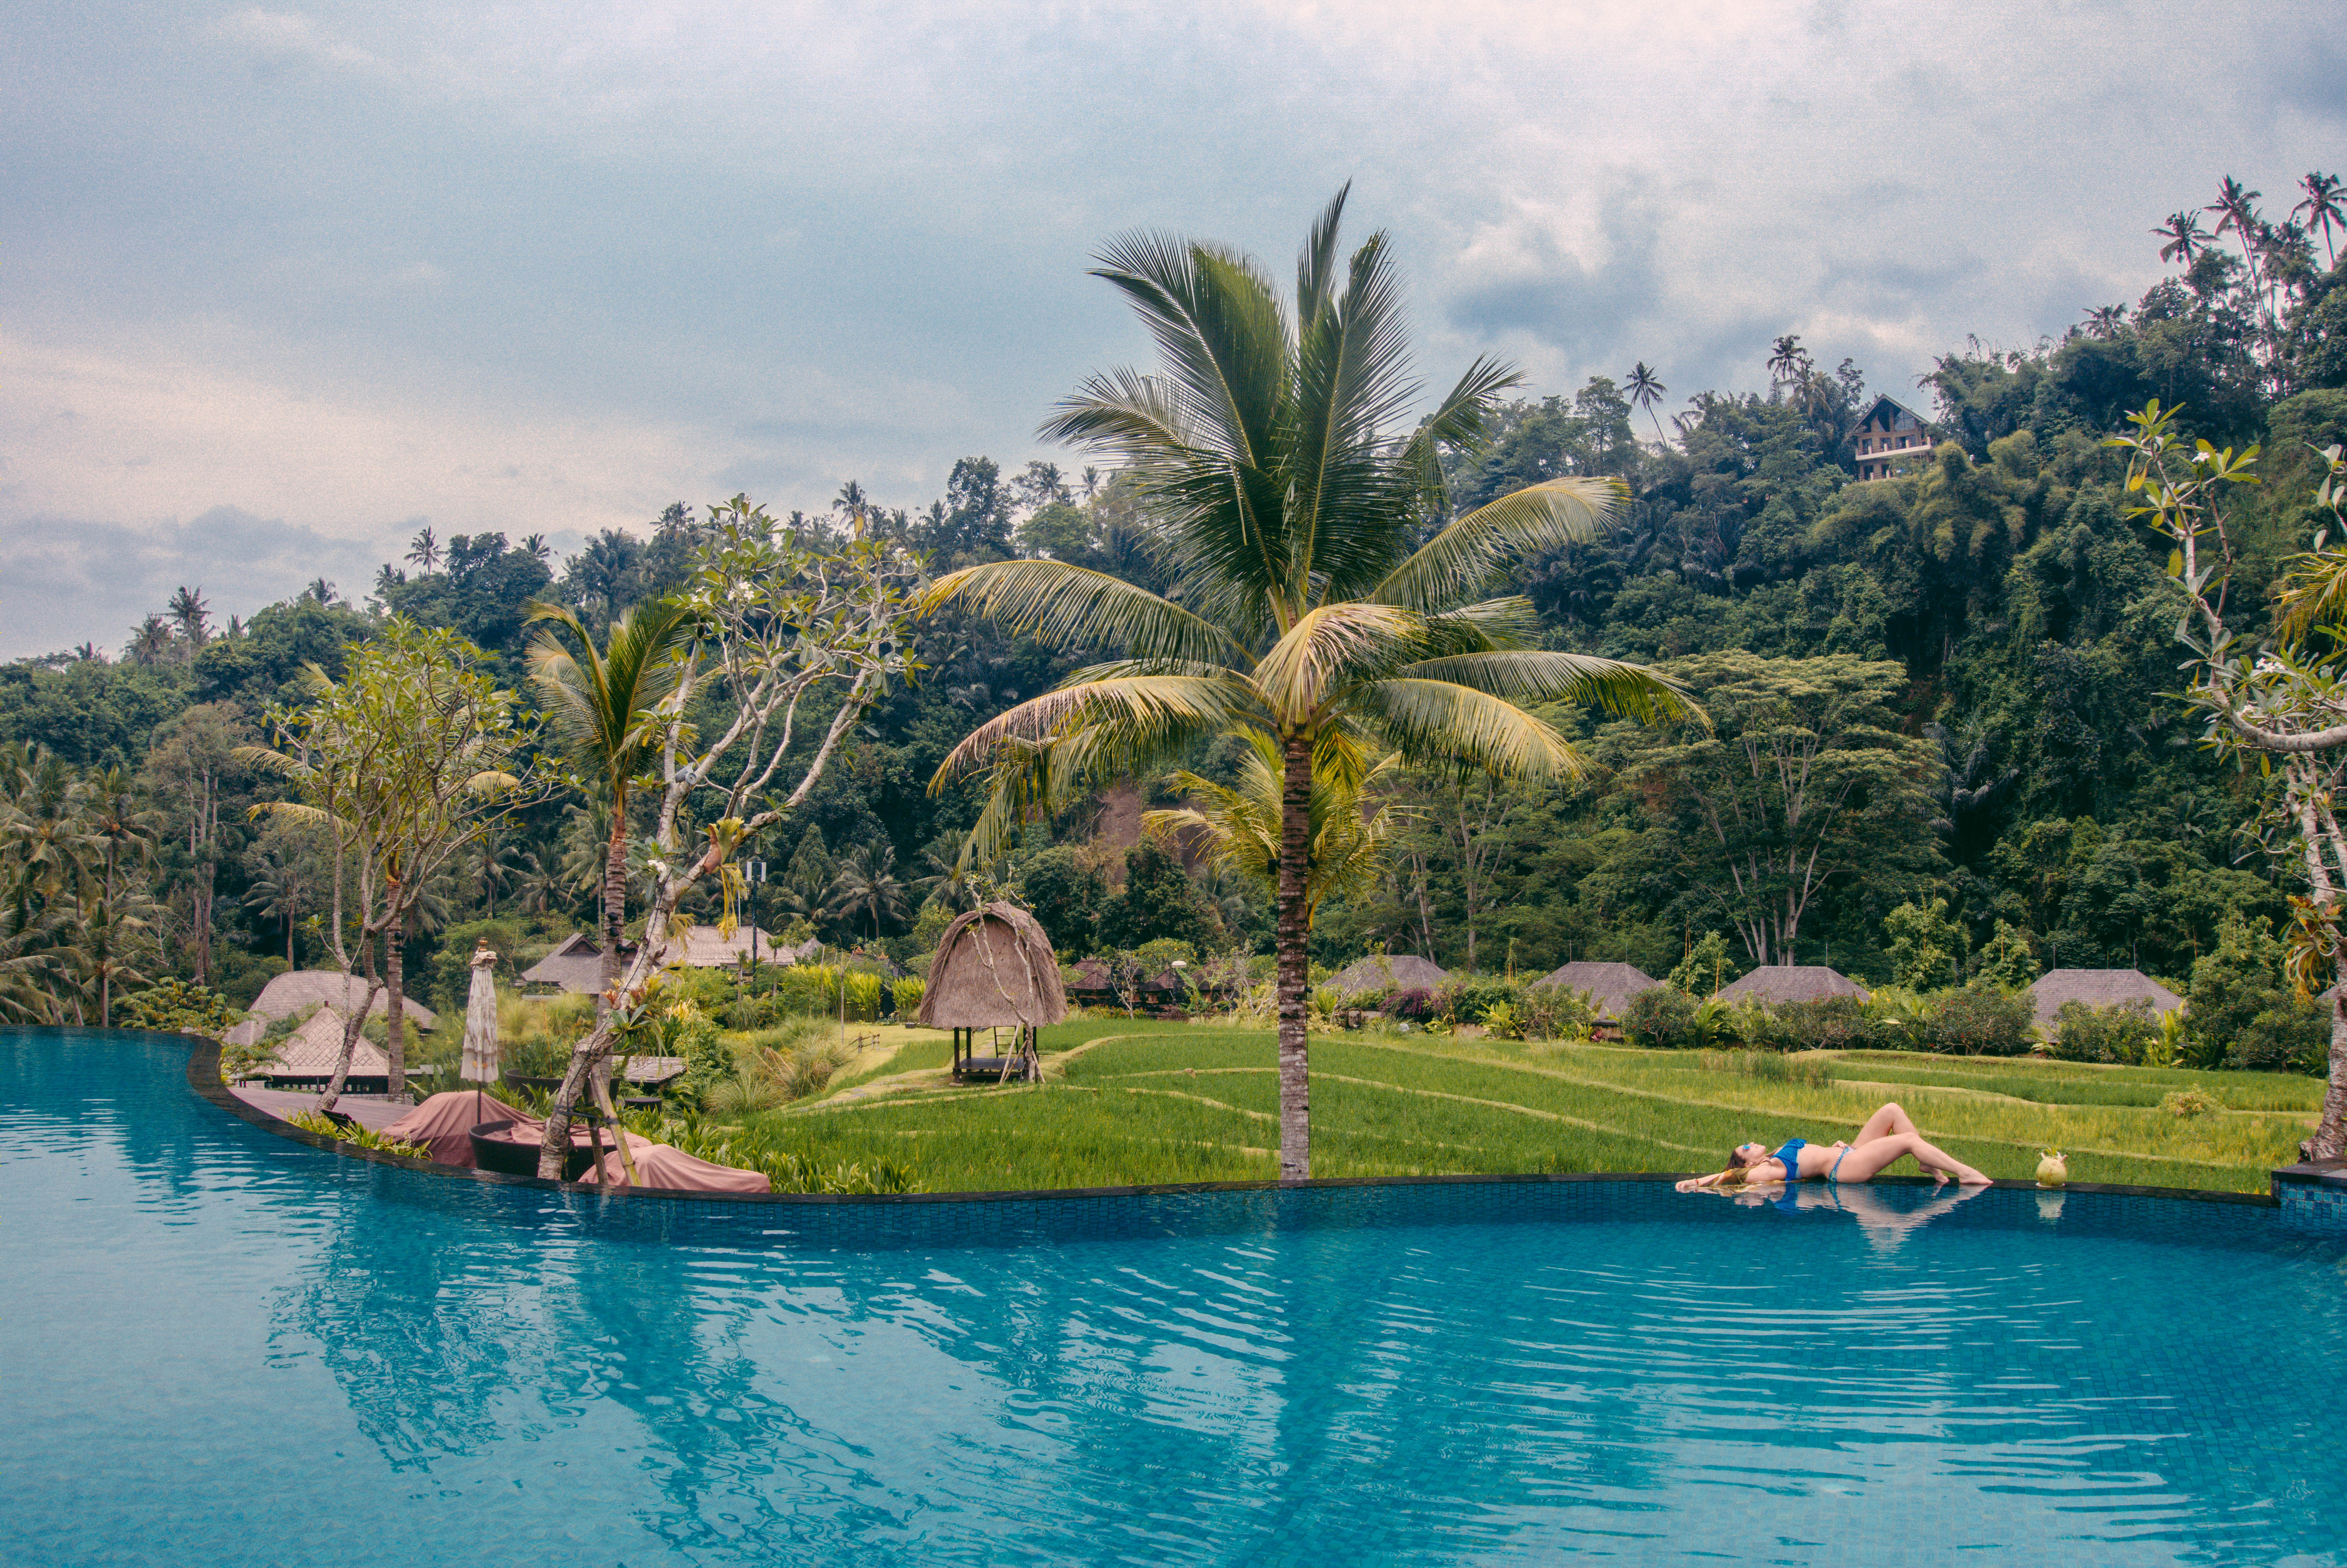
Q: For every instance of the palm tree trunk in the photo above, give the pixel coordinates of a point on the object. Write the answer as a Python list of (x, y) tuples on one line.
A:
[(395, 1048), (1295, 1068), (615, 898), (2329, 1140)]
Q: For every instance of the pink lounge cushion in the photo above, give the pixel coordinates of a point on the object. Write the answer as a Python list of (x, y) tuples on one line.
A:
[(663, 1166), (443, 1124)]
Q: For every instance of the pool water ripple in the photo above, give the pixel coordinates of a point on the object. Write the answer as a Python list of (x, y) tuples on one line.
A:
[(219, 1346)]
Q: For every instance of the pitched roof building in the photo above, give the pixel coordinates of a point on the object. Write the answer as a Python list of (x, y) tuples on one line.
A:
[(1610, 985), (2098, 988), (1380, 971), (1793, 983), (577, 966), (1892, 435)]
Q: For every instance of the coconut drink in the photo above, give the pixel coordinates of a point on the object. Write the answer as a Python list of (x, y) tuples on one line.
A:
[(2053, 1171)]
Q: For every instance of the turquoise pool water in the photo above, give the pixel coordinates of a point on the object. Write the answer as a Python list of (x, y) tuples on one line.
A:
[(220, 1348)]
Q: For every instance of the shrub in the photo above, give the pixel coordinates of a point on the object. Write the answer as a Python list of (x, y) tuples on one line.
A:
[(1980, 1020), (1469, 997), (2116, 1034), (1661, 1018), (1500, 1022), (1829, 1023), (906, 996), (862, 995), (2294, 1037), (172, 1006), (1415, 1005), (1556, 1012), (364, 1137), (1768, 1066), (2187, 1104)]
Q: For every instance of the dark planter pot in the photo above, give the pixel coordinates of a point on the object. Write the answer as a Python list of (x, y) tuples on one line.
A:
[(506, 1157)]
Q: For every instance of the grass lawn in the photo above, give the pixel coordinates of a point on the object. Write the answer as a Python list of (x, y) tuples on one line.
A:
[(1138, 1101)]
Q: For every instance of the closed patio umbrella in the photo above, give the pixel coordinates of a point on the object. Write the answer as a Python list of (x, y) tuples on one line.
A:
[(481, 1060)]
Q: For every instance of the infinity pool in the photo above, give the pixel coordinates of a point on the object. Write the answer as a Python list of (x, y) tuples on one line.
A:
[(220, 1348)]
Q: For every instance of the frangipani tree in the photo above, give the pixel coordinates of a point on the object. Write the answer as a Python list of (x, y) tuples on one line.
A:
[(769, 623), (2281, 700), (1286, 499), (401, 764)]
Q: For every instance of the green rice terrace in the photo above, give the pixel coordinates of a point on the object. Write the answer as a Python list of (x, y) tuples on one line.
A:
[(1127, 1102)]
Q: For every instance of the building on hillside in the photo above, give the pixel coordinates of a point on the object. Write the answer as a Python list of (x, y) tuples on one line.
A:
[(1773, 983), (1388, 971), (2098, 988), (1610, 986), (1890, 437), (577, 966)]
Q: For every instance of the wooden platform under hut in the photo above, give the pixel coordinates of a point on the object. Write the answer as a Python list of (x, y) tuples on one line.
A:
[(994, 971)]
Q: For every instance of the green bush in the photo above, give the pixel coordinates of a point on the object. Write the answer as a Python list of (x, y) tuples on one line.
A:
[(174, 1007), (2110, 1034), (1981, 1021), (862, 995), (1557, 1013), (906, 996), (1827, 1023), (2294, 1037), (1469, 997), (1662, 1018)]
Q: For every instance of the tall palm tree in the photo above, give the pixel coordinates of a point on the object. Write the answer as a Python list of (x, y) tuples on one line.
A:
[(122, 832), (193, 615), (1789, 362), (602, 703), (423, 551), (279, 890), (2184, 239), (1647, 389), (1283, 493), (869, 882), (2321, 210)]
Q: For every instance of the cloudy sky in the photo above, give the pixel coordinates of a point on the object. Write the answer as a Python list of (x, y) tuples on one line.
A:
[(278, 284)]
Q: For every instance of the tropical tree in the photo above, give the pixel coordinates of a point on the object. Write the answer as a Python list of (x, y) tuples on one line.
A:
[(399, 764), (2281, 702), (193, 615), (867, 882), (602, 703), (2321, 210), (1284, 498), (423, 551), (772, 623), (2184, 239), (1645, 390)]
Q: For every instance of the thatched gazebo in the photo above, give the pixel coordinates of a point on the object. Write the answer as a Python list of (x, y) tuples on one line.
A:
[(994, 970), (2096, 988), (1773, 983)]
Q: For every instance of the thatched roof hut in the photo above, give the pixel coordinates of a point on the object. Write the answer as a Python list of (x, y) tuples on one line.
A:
[(577, 966), (1610, 985), (289, 993), (1773, 983), (994, 969), (1381, 971), (2098, 988)]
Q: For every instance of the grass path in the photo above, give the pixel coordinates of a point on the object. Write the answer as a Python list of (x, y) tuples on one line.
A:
[(1127, 1102)]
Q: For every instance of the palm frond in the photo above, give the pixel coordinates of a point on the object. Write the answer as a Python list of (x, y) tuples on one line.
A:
[(1134, 717), (1470, 553), (1458, 423), (1069, 608), (1329, 649), (1442, 722), (1625, 691)]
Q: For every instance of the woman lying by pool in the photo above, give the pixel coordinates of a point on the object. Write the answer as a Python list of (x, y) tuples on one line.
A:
[(1887, 1138)]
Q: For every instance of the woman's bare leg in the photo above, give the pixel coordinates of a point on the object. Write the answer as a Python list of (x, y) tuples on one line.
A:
[(1867, 1160), (1889, 1122)]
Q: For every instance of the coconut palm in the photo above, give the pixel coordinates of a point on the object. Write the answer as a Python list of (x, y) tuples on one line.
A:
[(423, 551), (1789, 362), (1283, 496), (2320, 208), (868, 883), (2182, 233), (1348, 835), (601, 703), (193, 615), (280, 891), (1647, 389)]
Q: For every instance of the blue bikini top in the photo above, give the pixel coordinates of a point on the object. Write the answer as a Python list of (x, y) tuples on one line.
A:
[(1789, 1156)]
